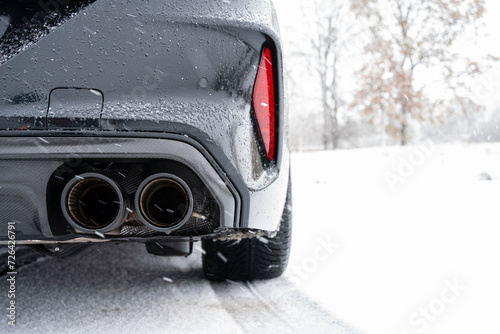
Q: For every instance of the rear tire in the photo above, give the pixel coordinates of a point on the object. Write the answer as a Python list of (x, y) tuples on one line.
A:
[(250, 259)]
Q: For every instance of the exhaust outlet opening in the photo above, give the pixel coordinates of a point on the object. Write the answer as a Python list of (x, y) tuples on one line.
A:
[(165, 202), (93, 202)]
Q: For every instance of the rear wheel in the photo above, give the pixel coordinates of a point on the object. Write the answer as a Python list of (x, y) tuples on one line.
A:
[(249, 259)]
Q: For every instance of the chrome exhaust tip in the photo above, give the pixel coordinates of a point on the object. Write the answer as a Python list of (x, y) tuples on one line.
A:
[(163, 202), (92, 203)]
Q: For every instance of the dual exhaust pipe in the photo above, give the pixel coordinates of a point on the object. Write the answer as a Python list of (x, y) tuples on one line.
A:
[(92, 202)]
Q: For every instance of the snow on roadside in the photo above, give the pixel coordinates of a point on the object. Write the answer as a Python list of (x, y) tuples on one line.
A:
[(110, 288), (400, 239)]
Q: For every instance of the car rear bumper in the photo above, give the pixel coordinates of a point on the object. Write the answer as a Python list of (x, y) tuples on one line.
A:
[(36, 166), (165, 83)]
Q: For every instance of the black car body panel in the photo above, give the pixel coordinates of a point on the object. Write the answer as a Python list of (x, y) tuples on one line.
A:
[(131, 89)]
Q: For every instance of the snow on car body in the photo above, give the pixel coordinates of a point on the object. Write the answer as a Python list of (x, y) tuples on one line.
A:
[(160, 122)]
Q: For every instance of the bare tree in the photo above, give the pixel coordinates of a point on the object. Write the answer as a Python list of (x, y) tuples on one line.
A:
[(327, 45), (407, 35), (321, 54)]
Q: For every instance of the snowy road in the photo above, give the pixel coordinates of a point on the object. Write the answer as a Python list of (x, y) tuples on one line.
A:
[(122, 289), (412, 233)]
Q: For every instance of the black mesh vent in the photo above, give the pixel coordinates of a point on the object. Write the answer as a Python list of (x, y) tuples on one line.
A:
[(128, 175)]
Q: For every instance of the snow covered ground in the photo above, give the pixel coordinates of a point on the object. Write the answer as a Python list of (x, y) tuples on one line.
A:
[(400, 240), (122, 289), (395, 240)]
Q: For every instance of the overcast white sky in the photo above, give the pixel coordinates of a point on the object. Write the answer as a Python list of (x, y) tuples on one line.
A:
[(289, 16), (291, 20)]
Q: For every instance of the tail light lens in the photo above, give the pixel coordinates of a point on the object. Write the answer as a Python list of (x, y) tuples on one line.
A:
[(263, 101)]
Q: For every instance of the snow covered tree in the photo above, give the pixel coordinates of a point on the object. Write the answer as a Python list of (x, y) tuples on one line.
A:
[(411, 48), (319, 45), (327, 43)]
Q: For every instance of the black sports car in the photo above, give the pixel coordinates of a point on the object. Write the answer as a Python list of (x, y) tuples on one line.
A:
[(161, 122)]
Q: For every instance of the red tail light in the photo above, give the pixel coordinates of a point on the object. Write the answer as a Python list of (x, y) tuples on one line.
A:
[(263, 101)]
